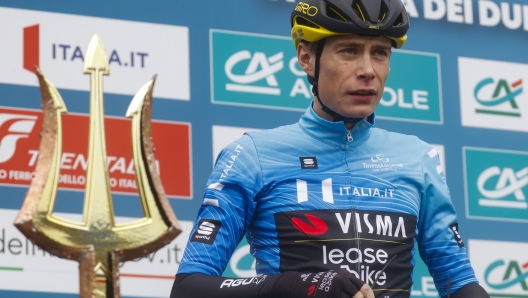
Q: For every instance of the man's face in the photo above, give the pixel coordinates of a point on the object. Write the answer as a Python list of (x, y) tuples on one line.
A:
[(352, 74)]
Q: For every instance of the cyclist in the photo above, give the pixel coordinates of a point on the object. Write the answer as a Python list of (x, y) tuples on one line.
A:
[(331, 206)]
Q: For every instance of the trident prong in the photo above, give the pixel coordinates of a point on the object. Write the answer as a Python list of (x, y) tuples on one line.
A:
[(97, 243)]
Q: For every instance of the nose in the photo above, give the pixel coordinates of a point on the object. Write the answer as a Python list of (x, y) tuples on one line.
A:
[(365, 70)]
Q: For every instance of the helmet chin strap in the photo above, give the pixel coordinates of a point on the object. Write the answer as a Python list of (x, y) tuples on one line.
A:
[(314, 80)]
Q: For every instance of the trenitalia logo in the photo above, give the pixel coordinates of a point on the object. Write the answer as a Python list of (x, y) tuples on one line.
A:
[(19, 145), (492, 94), (13, 127), (503, 92), (496, 184), (57, 43), (502, 267)]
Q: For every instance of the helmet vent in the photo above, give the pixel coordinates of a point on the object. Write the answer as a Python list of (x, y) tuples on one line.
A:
[(304, 22), (332, 13)]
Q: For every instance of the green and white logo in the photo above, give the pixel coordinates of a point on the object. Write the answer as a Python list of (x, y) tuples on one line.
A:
[(257, 70), (501, 267), (492, 94), (496, 184), (413, 89)]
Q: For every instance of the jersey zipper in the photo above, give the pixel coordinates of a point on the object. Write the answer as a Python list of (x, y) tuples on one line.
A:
[(349, 136)]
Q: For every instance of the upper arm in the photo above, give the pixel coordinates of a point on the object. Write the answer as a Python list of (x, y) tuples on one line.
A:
[(439, 245), (226, 210)]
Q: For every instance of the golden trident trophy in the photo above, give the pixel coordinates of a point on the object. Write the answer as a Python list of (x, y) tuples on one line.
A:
[(97, 243)]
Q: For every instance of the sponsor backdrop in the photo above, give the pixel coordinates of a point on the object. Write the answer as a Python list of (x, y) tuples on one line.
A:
[(230, 67)]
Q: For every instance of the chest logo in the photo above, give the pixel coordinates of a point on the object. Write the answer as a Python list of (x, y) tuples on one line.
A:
[(308, 162)]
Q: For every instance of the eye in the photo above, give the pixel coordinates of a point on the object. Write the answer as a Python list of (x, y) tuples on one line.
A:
[(382, 53), (349, 51)]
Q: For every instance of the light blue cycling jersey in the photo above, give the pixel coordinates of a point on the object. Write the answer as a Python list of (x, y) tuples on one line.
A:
[(314, 196)]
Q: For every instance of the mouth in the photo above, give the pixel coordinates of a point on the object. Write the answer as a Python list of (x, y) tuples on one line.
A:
[(363, 92)]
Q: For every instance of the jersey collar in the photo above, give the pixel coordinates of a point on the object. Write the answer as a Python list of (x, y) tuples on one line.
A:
[(335, 133)]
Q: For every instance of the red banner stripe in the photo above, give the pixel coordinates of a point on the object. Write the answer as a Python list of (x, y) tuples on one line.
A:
[(31, 47)]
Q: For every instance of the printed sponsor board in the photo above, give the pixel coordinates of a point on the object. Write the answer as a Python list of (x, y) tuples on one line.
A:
[(21, 261), (19, 145), (58, 42), (492, 94), (413, 91), (496, 183), (501, 267), (256, 70), (262, 70)]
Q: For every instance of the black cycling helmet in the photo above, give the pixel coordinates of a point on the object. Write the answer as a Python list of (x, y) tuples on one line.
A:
[(315, 20)]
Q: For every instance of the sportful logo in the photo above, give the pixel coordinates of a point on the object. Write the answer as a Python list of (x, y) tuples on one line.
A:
[(206, 228), (262, 66), (501, 94), (502, 267), (55, 42), (496, 184), (308, 162), (13, 127), (206, 231), (492, 94)]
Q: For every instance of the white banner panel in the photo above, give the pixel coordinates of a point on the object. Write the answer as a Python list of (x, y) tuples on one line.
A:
[(492, 94), (58, 42)]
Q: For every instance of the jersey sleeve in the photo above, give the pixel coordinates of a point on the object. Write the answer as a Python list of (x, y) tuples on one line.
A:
[(226, 211), (439, 242)]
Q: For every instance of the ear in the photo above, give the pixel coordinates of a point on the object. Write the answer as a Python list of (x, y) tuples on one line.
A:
[(306, 58)]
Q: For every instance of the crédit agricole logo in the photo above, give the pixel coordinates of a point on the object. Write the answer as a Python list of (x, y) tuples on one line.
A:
[(501, 267), (492, 94), (496, 184)]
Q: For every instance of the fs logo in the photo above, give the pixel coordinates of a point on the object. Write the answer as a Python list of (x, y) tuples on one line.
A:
[(266, 66), (503, 92), (508, 182), (13, 127), (512, 274)]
